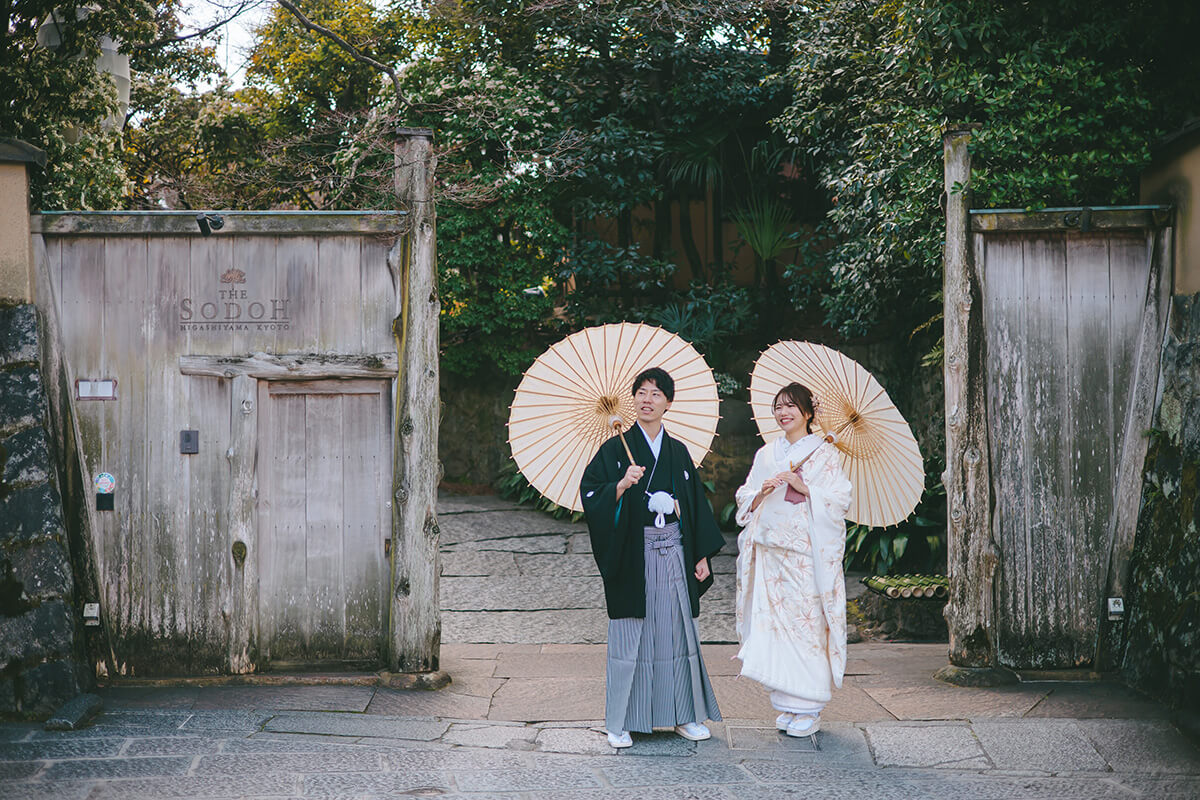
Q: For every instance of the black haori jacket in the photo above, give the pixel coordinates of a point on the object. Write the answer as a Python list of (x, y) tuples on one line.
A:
[(615, 527)]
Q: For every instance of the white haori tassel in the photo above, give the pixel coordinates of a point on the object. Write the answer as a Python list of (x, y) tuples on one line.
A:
[(661, 503)]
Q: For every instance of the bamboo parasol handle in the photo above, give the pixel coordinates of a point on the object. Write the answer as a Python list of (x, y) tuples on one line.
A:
[(615, 421), (829, 437)]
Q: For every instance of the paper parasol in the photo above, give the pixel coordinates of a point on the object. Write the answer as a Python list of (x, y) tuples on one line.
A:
[(879, 454), (564, 406)]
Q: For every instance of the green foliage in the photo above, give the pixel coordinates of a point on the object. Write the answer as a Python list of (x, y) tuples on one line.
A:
[(917, 544), (56, 100), (1063, 92), (512, 485)]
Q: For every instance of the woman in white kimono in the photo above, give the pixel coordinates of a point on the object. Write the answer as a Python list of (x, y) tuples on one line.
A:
[(791, 592)]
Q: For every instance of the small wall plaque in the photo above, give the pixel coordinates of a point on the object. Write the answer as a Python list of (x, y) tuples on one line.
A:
[(105, 389), (189, 442)]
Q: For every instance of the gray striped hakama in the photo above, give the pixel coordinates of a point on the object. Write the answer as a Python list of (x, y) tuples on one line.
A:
[(655, 674)]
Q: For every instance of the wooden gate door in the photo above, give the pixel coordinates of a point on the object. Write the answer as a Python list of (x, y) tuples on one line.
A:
[(324, 474), (1064, 313)]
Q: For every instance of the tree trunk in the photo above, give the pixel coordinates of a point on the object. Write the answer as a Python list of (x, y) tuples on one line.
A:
[(415, 628), (695, 262), (972, 558)]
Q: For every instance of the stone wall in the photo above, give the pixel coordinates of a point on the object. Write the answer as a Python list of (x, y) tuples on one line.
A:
[(1162, 636), (42, 663)]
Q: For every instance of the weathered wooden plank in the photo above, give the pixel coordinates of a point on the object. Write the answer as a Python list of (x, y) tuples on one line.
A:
[(340, 387), (300, 367), (1090, 468), (1143, 388), (971, 559), (283, 595), (251, 302), (168, 500), (378, 303), (1068, 219), (296, 286), (366, 476), (339, 275), (177, 223), (209, 333), (1047, 453), (241, 545), (208, 474), (323, 524), (1003, 264), (124, 422), (1130, 260)]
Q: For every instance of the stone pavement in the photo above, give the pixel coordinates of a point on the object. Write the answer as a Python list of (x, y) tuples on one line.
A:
[(521, 718)]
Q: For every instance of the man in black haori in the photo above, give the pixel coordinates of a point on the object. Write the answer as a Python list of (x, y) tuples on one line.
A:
[(653, 535)]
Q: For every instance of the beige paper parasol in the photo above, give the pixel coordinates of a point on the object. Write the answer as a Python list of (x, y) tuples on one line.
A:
[(879, 454), (565, 404)]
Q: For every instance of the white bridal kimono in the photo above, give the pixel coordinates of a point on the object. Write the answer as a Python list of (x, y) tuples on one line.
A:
[(791, 591)]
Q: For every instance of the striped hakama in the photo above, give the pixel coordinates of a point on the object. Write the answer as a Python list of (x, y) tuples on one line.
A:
[(655, 673)]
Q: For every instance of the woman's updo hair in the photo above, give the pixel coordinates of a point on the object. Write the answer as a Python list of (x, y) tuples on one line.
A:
[(802, 397)]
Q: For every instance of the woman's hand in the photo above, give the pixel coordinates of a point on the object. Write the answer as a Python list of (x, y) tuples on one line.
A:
[(793, 480), (769, 485), (702, 570), (632, 476)]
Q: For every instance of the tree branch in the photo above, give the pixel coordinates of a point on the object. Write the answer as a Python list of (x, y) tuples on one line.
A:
[(349, 48), (242, 8)]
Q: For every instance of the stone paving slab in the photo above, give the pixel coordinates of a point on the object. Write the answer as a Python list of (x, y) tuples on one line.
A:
[(945, 702), (741, 698), (852, 704), (357, 725), (226, 720), (450, 503), (1095, 699), (945, 746), (59, 790), (52, 750), (172, 746), (957, 786), (549, 699), (581, 565), (500, 593), (459, 528), (716, 627), (1162, 787), (116, 768), (511, 736), (286, 698), (511, 544), (685, 792), (628, 773), (16, 770), (381, 784), (521, 780), (1031, 744), (1152, 746), (362, 760), (134, 697), (451, 705), (580, 741), (526, 627), (552, 665), (766, 739), (206, 786), (472, 562)]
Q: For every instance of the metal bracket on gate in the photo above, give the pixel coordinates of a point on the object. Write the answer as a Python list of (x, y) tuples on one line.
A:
[(1081, 219)]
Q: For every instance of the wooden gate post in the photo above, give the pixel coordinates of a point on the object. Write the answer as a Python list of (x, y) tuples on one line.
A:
[(971, 556), (414, 619)]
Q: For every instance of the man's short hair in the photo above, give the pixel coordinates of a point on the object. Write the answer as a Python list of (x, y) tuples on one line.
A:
[(660, 378)]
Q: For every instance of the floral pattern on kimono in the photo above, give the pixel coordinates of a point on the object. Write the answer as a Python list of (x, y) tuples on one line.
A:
[(791, 591)]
